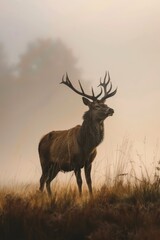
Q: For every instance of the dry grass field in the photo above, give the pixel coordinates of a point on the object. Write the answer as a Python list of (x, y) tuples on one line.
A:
[(123, 211)]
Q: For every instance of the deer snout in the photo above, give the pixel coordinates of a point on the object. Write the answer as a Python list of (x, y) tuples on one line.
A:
[(110, 112)]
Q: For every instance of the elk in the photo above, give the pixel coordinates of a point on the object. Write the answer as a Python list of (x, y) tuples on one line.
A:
[(74, 149)]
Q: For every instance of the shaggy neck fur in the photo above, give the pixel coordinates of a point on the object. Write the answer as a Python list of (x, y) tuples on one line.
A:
[(91, 132)]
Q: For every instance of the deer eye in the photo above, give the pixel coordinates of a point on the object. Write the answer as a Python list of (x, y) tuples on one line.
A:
[(97, 107)]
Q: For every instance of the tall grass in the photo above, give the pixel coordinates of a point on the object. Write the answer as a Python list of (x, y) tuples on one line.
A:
[(126, 208), (122, 211)]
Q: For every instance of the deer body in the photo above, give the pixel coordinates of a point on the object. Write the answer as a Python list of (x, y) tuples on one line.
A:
[(73, 149)]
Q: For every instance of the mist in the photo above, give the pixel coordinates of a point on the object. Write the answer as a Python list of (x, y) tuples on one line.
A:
[(40, 42)]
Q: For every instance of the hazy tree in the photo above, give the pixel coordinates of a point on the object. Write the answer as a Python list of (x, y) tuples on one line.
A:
[(5, 79), (5, 97), (46, 58), (5, 69), (40, 70)]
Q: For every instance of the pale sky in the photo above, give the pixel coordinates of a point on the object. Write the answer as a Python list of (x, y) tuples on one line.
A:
[(120, 36)]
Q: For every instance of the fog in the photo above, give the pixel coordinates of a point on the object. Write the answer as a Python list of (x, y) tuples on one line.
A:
[(40, 41)]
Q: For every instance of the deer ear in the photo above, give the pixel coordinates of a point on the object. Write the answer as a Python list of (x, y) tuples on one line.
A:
[(86, 101)]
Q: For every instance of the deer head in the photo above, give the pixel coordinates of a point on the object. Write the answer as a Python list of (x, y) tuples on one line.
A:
[(99, 110)]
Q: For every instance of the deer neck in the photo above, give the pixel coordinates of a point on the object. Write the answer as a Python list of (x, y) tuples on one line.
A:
[(91, 132)]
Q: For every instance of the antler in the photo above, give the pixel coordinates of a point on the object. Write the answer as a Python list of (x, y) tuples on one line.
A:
[(105, 84), (68, 83)]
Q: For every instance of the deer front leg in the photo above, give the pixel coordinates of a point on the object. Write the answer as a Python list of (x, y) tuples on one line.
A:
[(87, 169), (79, 180)]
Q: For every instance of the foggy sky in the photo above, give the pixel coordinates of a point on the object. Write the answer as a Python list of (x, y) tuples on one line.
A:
[(119, 36)]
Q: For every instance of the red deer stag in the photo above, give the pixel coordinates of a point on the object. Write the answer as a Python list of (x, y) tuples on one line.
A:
[(73, 149)]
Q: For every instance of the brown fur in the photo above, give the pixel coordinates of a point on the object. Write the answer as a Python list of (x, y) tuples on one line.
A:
[(63, 148)]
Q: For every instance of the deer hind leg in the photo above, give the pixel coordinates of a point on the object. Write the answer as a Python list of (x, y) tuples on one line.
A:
[(52, 173), (79, 180), (45, 168), (87, 169)]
